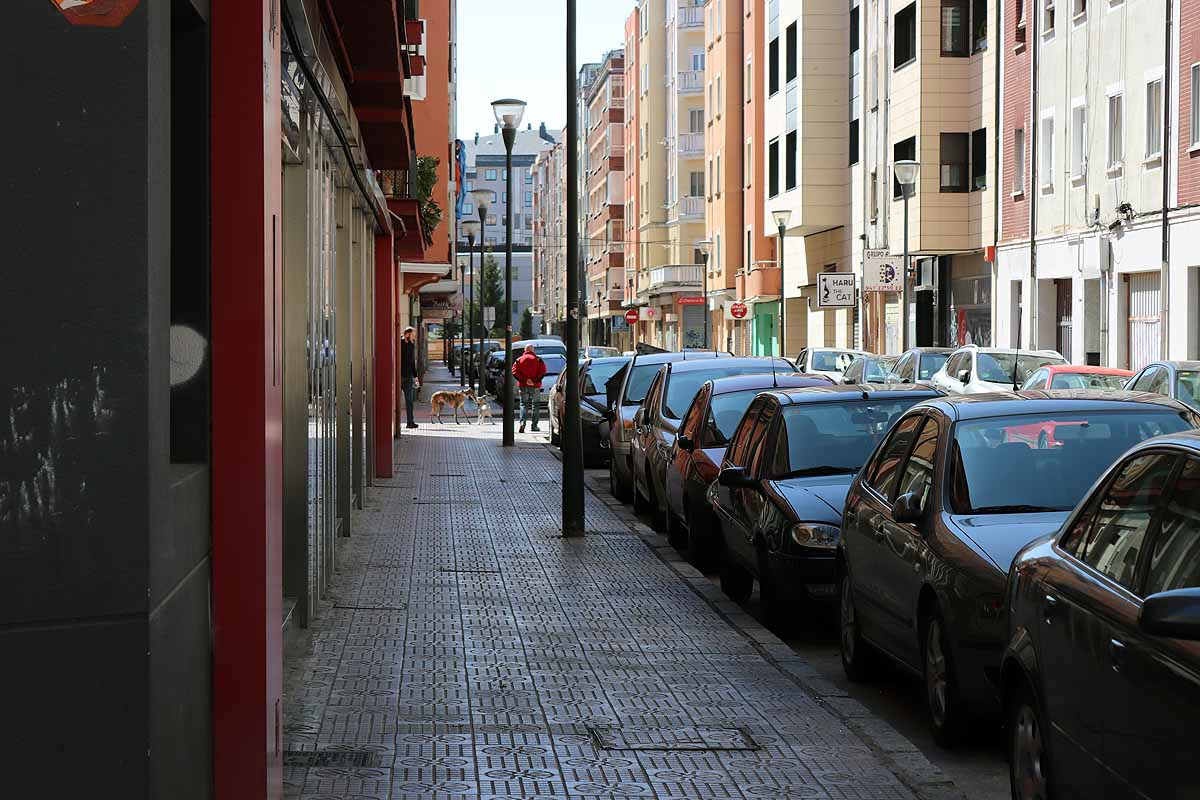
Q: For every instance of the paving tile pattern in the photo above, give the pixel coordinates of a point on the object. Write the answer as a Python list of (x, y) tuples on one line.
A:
[(475, 654)]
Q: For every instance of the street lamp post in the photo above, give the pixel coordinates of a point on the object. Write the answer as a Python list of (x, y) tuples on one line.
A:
[(705, 247), (573, 520), (782, 217), (906, 175), (508, 114), (471, 229), (483, 200)]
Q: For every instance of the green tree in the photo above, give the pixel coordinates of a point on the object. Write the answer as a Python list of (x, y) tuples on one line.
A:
[(426, 180), (527, 324)]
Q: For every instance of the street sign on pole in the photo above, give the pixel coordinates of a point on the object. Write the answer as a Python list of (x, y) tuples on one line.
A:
[(882, 271), (835, 290), (736, 309), (489, 316), (631, 316)]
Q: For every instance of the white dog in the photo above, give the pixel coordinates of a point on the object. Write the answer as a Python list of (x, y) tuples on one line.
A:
[(485, 411)]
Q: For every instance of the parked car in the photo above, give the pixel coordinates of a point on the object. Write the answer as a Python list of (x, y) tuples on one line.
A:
[(476, 357), (918, 364), (979, 370), (1077, 376), (493, 373), (1101, 676), (870, 369), (624, 393), (935, 517), (669, 397), (543, 347), (595, 351), (699, 447), (556, 364), (593, 374), (779, 495), (1177, 379), (828, 361)]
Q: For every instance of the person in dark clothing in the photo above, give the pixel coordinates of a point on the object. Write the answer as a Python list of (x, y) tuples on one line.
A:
[(409, 381)]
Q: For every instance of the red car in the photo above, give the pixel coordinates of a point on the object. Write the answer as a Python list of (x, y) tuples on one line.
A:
[(1064, 376)]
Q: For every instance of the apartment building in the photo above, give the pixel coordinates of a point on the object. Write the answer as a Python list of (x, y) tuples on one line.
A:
[(1104, 134), (724, 76), (633, 166), (550, 238)]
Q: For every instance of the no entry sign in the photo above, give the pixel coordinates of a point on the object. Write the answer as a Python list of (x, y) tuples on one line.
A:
[(738, 310), (631, 316)]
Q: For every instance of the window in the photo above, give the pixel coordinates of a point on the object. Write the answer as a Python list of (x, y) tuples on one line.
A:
[(696, 120), (529, 198), (494, 197), (917, 477), (1047, 165), (698, 60), (979, 17), (710, 173), (1124, 515), (852, 144), (717, 185), (696, 183), (1048, 18), (978, 159), (773, 67), (1195, 115), (854, 37), (792, 53), (902, 151), (719, 96), (1019, 11), (954, 28), (884, 470), (504, 174), (645, 78), (905, 49), (1078, 8), (1175, 559), (953, 173), (748, 164), (790, 161), (1154, 119), (748, 84), (490, 175), (470, 186), (773, 167), (1018, 175), (1078, 140), (1116, 147)]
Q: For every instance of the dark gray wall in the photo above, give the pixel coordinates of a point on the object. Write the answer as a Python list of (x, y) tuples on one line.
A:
[(104, 543)]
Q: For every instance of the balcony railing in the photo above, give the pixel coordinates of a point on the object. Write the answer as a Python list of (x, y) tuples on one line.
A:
[(674, 278), (691, 144), (691, 206), (691, 81), (691, 16)]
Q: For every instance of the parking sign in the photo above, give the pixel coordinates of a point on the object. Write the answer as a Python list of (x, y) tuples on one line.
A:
[(835, 290), (882, 271)]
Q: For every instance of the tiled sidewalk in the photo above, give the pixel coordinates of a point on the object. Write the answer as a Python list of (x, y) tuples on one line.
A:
[(470, 652)]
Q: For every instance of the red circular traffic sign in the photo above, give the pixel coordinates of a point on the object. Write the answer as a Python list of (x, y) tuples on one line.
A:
[(738, 310), (631, 316)]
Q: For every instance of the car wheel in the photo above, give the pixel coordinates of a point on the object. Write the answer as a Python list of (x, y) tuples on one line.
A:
[(774, 613), (676, 535), (658, 520), (1028, 759), (699, 550), (858, 657), (736, 583), (615, 486), (941, 691)]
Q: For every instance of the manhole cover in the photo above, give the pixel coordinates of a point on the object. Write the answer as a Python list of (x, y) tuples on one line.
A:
[(313, 759), (668, 739)]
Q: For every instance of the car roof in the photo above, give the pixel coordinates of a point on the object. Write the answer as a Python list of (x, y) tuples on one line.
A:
[(838, 350), (767, 380), (1043, 401), (1185, 366), (1184, 440), (743, 361), (855, 391), (524, 342), (1084, 369), (667, 358), (923, 350), (609, 360), (1020, 351)]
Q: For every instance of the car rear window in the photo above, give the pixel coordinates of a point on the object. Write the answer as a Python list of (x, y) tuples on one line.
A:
[(931, 363), (832, 360), (725, 411), (831, 437), (998, 367), (1188, 385), (639, 382), (683, 386), (1045, 462), (598, 374), (554, 363), (1087, 381)]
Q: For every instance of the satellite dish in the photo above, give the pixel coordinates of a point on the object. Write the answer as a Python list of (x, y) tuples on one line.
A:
[(189, 348)]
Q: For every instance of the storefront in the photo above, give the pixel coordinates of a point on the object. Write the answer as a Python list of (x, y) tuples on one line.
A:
[(765, 329)]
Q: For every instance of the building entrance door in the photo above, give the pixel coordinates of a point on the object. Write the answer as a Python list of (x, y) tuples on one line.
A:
[(1062, 316), (1145, 304)]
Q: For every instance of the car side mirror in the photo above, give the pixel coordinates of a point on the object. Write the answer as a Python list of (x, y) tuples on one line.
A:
[(685, 442), (1174, 614), (964, 376), (736, 478), (907, 509)]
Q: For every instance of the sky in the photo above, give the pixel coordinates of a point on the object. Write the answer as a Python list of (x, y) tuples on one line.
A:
[(518, 48)]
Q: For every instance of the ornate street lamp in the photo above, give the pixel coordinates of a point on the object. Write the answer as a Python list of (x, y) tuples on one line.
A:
[(482, 198), (782, 216), (471, 231), (705, 248), (508, 115), (906, 173)]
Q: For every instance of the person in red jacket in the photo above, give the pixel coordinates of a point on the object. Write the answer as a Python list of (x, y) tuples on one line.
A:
[(528, 370)]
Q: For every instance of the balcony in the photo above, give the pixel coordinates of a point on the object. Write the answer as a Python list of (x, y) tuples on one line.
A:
[(691, 81), (691, 207), (691, 144), (691, 16), (674, 278)]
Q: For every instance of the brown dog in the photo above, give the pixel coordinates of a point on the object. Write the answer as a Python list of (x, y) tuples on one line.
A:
[(455, 400)]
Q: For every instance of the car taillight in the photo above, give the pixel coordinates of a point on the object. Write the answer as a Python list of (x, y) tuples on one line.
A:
[(627, 430)]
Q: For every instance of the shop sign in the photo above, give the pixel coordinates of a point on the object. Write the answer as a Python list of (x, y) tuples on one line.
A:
[(835, 290), (882, 271), (97, 13), (691, 301), (650, 314)]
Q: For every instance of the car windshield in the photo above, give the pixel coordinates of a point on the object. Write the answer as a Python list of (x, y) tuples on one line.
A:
[(1188, 386), (554, 363), (1087, 380), (639, 382), (832, 360), (877, 370), (724, 413), (684, 386), (837, 438), (600, 352), (931, 363), (1045, 462), (998, 367), (598, 374)]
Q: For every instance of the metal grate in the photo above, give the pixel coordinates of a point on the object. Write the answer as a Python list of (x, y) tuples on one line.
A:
[(312, 759), (673, 739)]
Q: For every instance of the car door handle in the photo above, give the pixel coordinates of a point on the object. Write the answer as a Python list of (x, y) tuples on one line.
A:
[(1116, 654), (1049, 607), (880, 532)]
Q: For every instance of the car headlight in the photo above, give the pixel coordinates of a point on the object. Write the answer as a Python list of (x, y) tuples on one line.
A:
[(589, 414), (816, 534)]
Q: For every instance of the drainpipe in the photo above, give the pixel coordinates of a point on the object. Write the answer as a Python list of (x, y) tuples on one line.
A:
[(996, 188), (1164, 290), (1034, 188)]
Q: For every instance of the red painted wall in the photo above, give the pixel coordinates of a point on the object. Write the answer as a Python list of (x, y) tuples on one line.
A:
[(431, 120), (386, 396), (1014, 212), (247, 403), (1189, 53)]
